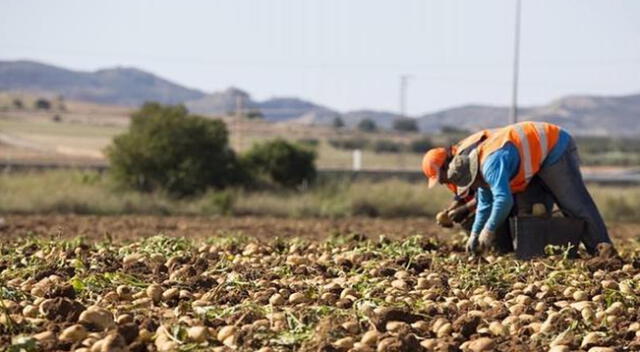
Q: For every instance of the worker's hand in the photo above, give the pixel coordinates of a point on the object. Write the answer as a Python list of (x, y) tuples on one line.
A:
[(442, 219), (458, 214), (486, 239), (473, 243)]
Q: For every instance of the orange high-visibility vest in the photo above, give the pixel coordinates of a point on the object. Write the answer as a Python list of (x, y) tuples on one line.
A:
[(533, 140), (464, 144)]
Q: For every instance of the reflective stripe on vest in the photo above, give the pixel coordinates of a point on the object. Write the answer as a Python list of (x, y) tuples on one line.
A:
[(542, 134), (526, 153)]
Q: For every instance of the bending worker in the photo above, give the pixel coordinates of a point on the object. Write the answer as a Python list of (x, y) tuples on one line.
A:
[(434, 166), (504, 165), (462, 209)]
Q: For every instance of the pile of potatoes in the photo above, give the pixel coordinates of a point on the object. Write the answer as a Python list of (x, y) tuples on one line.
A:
[(344, 294)]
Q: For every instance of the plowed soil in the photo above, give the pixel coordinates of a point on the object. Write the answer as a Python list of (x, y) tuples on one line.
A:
[(135, 226)]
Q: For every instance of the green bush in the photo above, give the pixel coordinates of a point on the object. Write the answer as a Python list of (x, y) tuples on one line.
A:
[(17, 103), (367, 125), (283, 163), (221, 202), (388, 146), (454, 130), (420, 145), (254, 114), (168, 149), (349, 143), (405, 125), (42, 104), (309, 142)]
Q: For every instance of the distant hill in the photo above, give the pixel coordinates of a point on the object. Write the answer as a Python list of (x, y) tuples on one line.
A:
[(469, 117), (593, 115), (585, 115), (382, 119), (221, 103), (120, 86), (274, 109), (288, 108), (582, 115)]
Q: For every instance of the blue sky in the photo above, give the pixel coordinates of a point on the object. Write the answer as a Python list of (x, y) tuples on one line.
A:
[(346, 54)]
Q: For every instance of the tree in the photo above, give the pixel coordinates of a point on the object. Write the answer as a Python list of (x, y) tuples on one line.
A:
[(338, 122), (168, 149), (387, 146), (367, 125), (421, 145), (17, 103), (349, 143), (43, 104), (254, 114), (454, 130), (282, 162), (405, 125)]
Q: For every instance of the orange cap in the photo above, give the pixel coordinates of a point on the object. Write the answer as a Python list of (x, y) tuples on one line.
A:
[(432, 163)]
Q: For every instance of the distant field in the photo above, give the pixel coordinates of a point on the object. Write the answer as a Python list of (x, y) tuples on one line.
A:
[(35, 135), (40, 138), (78, 132)]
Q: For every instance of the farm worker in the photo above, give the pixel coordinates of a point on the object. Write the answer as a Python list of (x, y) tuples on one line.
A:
[(505, 164), (434, 167), (462, 209)]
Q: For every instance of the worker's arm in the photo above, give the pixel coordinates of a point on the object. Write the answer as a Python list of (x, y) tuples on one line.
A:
[(472, 203), (497, 171), (456, 203), (483, 209), (462, 211)]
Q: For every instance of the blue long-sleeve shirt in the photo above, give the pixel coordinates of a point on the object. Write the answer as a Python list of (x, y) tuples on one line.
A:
[(495, 202)]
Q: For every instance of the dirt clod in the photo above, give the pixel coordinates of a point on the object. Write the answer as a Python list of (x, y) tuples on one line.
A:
[(61, 309)]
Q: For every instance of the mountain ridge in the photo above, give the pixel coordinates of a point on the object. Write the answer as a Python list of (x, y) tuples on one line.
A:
[(130, 86), (126, 86)]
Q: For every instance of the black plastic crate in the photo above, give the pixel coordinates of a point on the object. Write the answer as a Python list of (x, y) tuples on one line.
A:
[(532, 234)]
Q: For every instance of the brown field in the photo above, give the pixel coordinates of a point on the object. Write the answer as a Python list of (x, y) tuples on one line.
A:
[(133, 227), (226, 284)]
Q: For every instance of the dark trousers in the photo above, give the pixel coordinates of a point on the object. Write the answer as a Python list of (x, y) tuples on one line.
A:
[(564, 181)]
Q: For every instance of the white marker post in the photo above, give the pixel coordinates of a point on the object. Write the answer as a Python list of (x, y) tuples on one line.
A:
[(357, 160)]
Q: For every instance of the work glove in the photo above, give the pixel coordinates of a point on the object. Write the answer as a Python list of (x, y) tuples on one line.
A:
[(486, 239), (458, 214), (473, 243)]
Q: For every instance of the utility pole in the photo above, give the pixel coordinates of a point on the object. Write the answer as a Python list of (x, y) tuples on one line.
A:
[(513, 116), (237, 121), (239, 106), (404, 80)]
